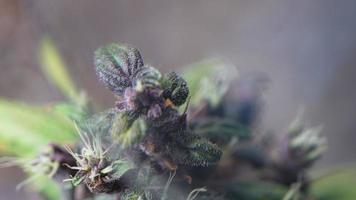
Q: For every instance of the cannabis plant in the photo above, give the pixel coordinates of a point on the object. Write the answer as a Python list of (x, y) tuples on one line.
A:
[(168, 136)]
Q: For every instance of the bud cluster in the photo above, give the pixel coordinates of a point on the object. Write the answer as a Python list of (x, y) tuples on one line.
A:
[(149, 146)]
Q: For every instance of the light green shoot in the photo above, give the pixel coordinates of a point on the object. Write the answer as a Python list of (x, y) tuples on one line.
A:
[(56, 72)]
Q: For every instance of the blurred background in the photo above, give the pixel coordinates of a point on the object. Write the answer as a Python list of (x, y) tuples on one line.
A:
[(306, 48)]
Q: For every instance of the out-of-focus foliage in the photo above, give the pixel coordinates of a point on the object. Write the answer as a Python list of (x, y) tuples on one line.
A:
[(57, 73), (209, 80), (255, 190), (25, 130), (128, 151), (48, 188), (221, 131), (133, 134), (340, 185)]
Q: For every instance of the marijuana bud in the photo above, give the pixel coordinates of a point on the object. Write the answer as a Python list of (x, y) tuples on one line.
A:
[(100, 173), (175, 89), (201, 152), (303, 145), (307, 146), (297, 151)]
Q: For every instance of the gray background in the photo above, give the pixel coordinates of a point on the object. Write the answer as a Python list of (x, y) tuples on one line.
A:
[(307, 48)]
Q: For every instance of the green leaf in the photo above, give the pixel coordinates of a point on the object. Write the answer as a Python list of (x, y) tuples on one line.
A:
[(105, 197), (128, 129), (221, 131), (209, 80), (56, 71), (99, 123), (340, 186), (48, 188), (133, 135), (71, 111), (294, 192), (25, 130), (132, 195), (121, 167), (77, 180), (255, 190)]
